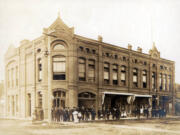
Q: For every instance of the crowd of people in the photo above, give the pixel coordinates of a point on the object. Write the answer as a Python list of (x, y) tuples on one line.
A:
[(115, 113)]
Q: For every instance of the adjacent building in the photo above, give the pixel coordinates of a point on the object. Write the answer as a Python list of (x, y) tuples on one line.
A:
[(62, 69)]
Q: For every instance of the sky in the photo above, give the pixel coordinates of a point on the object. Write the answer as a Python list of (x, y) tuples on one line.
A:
[(119, 22)]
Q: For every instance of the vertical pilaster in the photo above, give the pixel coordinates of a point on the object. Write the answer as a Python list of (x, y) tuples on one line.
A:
[(100, 73), (49, 76)]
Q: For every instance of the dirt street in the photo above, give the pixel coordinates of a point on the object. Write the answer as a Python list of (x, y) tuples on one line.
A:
[(122, 127)]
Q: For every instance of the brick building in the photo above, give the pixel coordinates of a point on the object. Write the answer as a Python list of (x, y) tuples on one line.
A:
[(62, 69)]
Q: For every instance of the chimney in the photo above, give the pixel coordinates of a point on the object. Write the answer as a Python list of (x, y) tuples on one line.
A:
[(100, 38), (129, 46), (139, 49)]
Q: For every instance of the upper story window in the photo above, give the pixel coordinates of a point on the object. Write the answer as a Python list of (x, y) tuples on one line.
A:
[(160, 81), (115, 74), (161, 67), (12, 77), (106, 73), (123, 75), (169, 80), (91, 70), (135, 77), (135, 61), (107, 54), (124, 58), (16, 75), (94, 51), (153, 80), (144, 78), (87, 50), (82, 69), (39, 69), (58, 47), (116, 56), (81, 48), (59, 68)]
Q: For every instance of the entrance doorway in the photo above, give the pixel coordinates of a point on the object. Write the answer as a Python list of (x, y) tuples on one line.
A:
[(87, 100)]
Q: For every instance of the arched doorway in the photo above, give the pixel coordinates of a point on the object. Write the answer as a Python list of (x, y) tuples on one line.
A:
[(59, 99), (87, 100)]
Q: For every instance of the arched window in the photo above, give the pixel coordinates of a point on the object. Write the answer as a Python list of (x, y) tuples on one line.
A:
[(153, 80), (58, 47), (59, 68), (39, 69), (106, 73), (123, 75), (59, 99), (144, 78), (160, 81), (135, 77)]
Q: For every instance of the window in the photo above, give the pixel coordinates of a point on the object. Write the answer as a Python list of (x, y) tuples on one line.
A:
[(59, 47), (91, 70), (144, 78), (16, 75), (169, 80), (17, 103), (116, 56), (135, 61), (82, 69), (59, 68), (124, 58), (38, 50), (81, 48), (160, 81), (39, 100), (165, 81), (8, 103), (107, 54), (135, 77), (8, 78), (115, 74), (12, 77), (59, 99), (145, 63), (87, 50), (123, 75), (153, 80), (153, 65), (161, 67), (106, 73), (94, 51), (39, 70)]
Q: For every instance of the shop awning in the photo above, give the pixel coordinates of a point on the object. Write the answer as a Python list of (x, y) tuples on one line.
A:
[(137, 95), (117, 93), (126, 94)]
